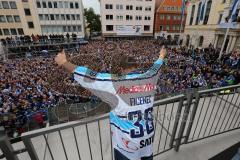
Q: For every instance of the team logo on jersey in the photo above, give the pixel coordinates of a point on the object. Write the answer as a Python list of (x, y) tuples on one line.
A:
[(136, 89), (140, 100), (129, 146)]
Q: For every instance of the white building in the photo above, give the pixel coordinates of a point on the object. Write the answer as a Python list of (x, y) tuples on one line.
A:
[(57, 16), (27, 17), (212, 29), (126, 18)]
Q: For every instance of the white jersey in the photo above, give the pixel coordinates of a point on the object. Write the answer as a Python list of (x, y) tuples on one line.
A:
[(131, 98)]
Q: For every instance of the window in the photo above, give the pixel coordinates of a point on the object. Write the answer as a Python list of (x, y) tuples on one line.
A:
[(161, 17), (161, 28), (109, 6), (74, 28), (20, 31), (192, 15), (2, 18), (1, 32), (209, 5), (109, 17), (44, 4), (62, 17), (60, 4), (66, 4), (71, 5), (173, 28), (38, 4), (224, 1), (6, 31), (30, 25), (78, 17), (109, 27), (0, 5), (175, 18), (46, 17), (76, 5), (5, 6), (49, 4), (146, 28), (13, 31), (9, 18), (64, 29), (73, 17), (129, 17), (55, 4), (79, 28), (119, 17), (139, 8), (138, 18), (13, 5), (57, 17), (52, 18), (148, 9), (198, 13), (220, 18), (68, 17), (129, 7), (168, 17), (24, 0), (119, 7), (167, 28), (201, 39), (40, 17), (148, 18), (27, 12)]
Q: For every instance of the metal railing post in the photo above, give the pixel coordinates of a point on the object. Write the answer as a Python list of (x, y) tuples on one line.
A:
[(29, 146), (193, 114), (178, 115), (7, 148), (184, 121)]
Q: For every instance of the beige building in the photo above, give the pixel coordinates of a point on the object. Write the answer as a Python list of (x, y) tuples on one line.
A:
[(200, 32), (27, 17), (127, 18)]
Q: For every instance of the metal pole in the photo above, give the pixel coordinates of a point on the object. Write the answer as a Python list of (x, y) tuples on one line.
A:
[(225, 39), (7, 148), (181, 27)]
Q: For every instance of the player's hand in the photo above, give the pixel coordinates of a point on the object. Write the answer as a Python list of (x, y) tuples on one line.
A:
[(61, 58), (163, 53)]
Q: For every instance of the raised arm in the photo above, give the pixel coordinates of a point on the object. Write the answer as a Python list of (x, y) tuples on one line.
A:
[(61, 60)]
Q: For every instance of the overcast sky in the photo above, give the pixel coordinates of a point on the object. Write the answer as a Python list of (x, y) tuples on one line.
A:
[(92, 3)]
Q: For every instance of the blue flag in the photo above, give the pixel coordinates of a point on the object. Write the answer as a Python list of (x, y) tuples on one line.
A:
[(233, 11)]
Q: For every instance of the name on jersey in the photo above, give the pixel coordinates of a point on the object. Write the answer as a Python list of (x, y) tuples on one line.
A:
[(140, 100), (146, 142), (136, 89)]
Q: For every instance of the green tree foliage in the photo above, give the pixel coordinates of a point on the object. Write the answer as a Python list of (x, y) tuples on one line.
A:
[(93, 20)]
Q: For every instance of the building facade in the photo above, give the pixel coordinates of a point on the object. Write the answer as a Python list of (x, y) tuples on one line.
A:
[(210, 26), (127, 18), (27, 17), (168, 19)]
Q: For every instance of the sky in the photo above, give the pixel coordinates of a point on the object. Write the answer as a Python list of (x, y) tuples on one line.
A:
[(92, 3)]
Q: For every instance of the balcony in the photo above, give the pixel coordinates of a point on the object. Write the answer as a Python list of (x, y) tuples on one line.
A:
[(198, 124)]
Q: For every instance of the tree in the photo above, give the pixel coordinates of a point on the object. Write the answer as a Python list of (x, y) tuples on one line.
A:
[(93, 20)]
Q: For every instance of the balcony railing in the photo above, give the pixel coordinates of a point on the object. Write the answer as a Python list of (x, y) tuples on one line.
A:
[(178, 120)]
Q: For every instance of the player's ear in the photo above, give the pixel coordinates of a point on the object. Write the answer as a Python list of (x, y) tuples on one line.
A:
[(63, 51)]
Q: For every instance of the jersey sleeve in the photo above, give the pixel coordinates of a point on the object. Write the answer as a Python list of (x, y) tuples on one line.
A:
[(90, 79)]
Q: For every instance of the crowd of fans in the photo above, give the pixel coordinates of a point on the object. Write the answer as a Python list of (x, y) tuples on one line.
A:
[(35, 39), (29, 86)]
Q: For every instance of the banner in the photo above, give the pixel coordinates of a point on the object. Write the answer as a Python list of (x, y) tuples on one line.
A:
[(128, 30)]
